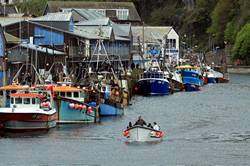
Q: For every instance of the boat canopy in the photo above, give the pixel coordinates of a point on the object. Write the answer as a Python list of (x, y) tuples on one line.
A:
[(13, 87), (27, 95), (186, 67), (66, 89)]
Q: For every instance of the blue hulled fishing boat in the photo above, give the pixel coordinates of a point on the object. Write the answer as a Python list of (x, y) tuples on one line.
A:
[(72, 107), (153, 81), (192, 78)]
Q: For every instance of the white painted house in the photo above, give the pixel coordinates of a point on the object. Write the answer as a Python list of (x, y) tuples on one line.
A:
[(163, 38)]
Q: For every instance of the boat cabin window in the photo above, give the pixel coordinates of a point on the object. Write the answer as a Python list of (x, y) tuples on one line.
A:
[(146, 75), (82, 95), (68, 94), (33, 101), (18, 100), (63, 94), (76, 94), (11, 100), (26, 101)]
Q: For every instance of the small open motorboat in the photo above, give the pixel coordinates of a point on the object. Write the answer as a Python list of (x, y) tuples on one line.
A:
[(143, 134)]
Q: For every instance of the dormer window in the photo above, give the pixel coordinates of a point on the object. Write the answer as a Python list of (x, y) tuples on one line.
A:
[(101, 11), (122, 14)]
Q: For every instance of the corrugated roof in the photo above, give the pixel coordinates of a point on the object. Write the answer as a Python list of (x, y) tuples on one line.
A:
[(151, 33), (121, 31), (93, 32), (7, 10), (85, 13), (41, 49), (59, 16), (55, 6), (11, 39), (11, 20), (100, 21)]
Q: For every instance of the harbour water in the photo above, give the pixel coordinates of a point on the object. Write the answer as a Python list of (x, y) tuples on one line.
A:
[(210, 127)]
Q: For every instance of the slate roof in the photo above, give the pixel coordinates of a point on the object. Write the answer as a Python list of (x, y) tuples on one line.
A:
[(59, 16), (55, 6)]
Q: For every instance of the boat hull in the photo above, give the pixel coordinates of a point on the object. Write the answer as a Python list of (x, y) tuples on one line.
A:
[(66, 114), (222, 80), (153, 86), (27, 121), (211, 80), (191, 87), (109, 110), (143, 134)]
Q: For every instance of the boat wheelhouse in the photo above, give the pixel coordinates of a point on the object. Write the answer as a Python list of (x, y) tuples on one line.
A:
[(28, 111)]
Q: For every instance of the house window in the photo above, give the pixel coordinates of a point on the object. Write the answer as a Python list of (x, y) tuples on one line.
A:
[(122, 14), (100, 11), (171, 43)]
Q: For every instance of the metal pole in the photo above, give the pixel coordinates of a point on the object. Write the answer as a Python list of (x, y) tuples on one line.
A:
[(36, 65)]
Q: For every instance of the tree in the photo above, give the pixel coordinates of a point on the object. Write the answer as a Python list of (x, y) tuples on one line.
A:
[(224, 12), (241, 49), (198, 20)]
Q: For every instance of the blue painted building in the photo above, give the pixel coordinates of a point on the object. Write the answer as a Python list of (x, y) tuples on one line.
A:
[(2, 54), (46, 36)]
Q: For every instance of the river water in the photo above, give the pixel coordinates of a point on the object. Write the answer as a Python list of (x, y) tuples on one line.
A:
[(210, 127)]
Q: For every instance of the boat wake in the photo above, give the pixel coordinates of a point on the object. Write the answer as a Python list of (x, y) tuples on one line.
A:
[(243, 137)]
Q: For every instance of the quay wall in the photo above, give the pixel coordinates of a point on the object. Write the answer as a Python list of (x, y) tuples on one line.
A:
[(239, 69)]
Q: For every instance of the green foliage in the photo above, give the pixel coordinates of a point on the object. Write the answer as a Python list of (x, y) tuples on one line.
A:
[(230, 32), (241, 49), (244, 16), (32, 7), (196, 22), (223, 13)]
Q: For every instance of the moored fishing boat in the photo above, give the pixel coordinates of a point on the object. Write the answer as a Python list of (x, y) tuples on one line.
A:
[(176, 81), (192, 78), (214, 76), (72, 105), (153, 81), (28, 111), (112, 100), (140, 133)]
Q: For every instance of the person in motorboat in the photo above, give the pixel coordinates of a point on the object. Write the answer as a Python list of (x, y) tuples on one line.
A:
[(149, 125), (156, 127), (140, 121), (129, 125)]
